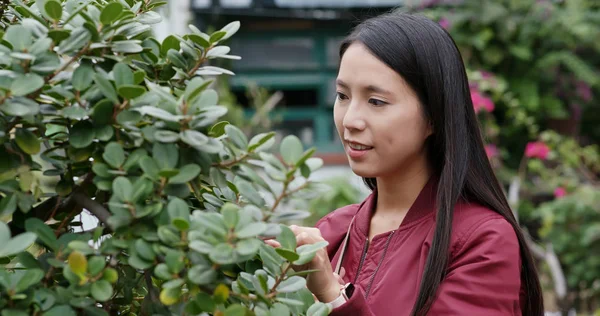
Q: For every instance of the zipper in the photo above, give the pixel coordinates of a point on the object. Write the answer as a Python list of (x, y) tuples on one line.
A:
[(362, 259), (387, 243)]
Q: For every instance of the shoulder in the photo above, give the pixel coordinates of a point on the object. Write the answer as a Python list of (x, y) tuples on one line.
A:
[(476, 226), (340, 217)]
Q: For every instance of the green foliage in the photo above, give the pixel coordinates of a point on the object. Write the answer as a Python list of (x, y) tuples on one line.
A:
[(96, 114)]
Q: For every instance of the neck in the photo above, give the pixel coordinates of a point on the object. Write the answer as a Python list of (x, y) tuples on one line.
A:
[(397, 193)]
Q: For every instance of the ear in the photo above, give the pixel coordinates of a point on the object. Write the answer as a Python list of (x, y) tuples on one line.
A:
[(430, 129)]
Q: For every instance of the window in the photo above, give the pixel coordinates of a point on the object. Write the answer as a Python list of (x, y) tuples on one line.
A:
[(274, 53)]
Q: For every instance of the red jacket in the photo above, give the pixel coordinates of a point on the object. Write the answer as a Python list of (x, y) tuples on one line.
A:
[(483, 275)]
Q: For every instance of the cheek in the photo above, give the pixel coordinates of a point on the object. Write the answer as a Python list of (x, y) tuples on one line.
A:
[(404, 131), (338, 118)]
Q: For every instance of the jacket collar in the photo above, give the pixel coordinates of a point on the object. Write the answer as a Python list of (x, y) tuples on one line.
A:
[(423, 206)]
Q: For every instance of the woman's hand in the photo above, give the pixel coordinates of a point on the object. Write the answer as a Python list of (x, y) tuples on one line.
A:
[(324, 284)]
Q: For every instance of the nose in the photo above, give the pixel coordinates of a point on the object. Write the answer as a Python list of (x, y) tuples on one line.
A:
[(354, 118)]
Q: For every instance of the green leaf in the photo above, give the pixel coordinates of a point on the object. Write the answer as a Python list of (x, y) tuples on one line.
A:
[(307, 252), (175, 261), (53, 9), (111, 13), (287, 239), (43, 232), (177, 59), (178, 208), (217, 36), (165, 155), (60, 310), (237, 136), (158, 113), (291, 284), (149, 166), (251, 230), (127, 47), (27, 141), (170, 42), (102, 112), (261, 142), (144, 250), (291, 149), (280, 310), (230, 214), (248, 247), (289, 255), (186, 174), (235, 310), (101, 290), (122, 188), (248, 191), (319, 309), (19, 106), (19, 37), (129, 92), (26, 84), (223, 254), (230, 29), (17, 244), (205, 302), (74, 112), (202, 275), (137, 262), (81, 134), (106, 87), (8, 205), (218, 129), (96, 265), (29, 278), (114, 154), (79, 37), (194, 138), (122, 74), (104, 133)]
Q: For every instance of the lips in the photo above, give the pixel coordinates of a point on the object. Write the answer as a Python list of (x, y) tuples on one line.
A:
[(357, 150)]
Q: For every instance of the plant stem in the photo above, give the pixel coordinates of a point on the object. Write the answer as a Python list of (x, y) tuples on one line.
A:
[(67, 64), (280, 279), (94, 207)]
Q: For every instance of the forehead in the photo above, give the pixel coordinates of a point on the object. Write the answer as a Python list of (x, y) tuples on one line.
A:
[(360, 68)]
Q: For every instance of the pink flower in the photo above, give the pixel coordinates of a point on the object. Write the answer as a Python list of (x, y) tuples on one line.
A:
[(560, 192), (537, 150), (491, 150), (481, 102), (445, 23)]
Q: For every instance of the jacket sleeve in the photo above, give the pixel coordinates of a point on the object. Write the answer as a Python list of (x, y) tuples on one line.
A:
[(484, 276)]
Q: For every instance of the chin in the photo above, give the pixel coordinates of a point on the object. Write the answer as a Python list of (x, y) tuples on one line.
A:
[(363, 170)]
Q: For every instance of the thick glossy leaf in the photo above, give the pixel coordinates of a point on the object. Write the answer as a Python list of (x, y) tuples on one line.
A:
[(131, 91), (122, 188), (177, 208), (96, 265), (127, 47), (4, 233), (101, 290), (106, 87), (26, 84), (123, 75), (237, 136), (78, 38), (170, 42), (83, 77), (53, 9), (29, 278), (291, 149), (230, 214), (44, 232), (248, 191), (144, 250), (19, 37), (186, 174), (111, 13), (19, 106), (60, 310), (114, 154), (27, 141), (194, 138), (202, 275), (307, 252), (17, 244), (291, 284), (251, 230), (78, 263), (319, 309), (287, 254), (287, 239), (158, 113), (230, 29), (165, 155)]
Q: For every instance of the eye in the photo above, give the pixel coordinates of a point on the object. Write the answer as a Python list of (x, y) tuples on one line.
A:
[(377, 103), (341, 96)]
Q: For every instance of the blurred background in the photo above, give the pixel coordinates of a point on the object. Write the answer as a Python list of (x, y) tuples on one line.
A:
[(534, 69)]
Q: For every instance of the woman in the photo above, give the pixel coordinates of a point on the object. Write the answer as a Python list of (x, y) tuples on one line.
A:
[(437, 236)]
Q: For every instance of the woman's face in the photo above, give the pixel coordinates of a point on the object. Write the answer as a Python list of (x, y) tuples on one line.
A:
[(378, 116)]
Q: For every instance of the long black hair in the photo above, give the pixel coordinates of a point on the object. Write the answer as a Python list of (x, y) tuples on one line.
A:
[(425, 55)]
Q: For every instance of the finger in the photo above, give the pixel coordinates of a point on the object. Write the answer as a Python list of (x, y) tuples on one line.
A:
[(273, 243), (338, 278), (342, 272)]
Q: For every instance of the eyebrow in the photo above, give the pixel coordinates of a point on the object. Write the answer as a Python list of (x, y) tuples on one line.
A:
[(369, 88)]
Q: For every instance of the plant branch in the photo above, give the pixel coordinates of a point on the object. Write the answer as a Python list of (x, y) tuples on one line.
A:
[(68, 63), (227, 164), (280, 279), (94, 207)]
